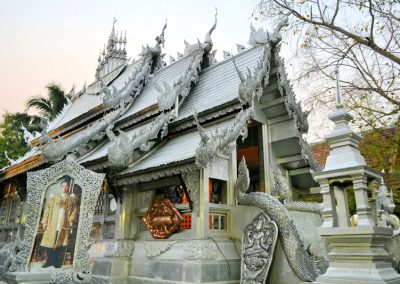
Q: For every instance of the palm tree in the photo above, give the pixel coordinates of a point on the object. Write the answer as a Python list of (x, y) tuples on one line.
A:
[(51, 106)]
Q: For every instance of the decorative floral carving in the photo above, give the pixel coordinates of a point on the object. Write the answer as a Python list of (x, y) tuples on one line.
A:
[(162, 219), (37, 183), (119, 248), (192, 181), (200, 250), (157, 174), (221, 141), (156, 248), (303, 264), (70, 277), (259, 240)]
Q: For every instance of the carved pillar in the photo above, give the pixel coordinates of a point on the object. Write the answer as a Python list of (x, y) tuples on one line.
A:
[(329, 210), (360, 187), (372, 202), (343, 215), (192, 182), (290, 188), (124, 216), (266, 153), (202, 219), (134, 220), (232, 175)]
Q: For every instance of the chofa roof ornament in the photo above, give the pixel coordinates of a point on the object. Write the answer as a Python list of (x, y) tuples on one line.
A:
[(221, 142), (260, 36), (206, 45)]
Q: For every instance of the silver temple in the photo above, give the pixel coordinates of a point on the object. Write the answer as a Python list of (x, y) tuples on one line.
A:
[(180, 131)]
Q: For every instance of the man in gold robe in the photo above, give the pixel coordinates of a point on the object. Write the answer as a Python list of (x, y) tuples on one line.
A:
[(59, 217)]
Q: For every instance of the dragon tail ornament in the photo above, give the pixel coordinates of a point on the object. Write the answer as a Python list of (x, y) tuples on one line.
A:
[(306, 266)]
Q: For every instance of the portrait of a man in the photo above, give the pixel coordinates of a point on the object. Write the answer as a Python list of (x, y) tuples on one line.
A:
[(55, 241)]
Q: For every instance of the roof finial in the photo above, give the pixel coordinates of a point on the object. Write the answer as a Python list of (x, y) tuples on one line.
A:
[(114, 21), (124, 41), (208, 40), (161, 38), (339, 98)]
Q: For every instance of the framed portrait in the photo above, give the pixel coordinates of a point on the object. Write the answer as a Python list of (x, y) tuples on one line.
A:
[(60, 206), (54, 245)]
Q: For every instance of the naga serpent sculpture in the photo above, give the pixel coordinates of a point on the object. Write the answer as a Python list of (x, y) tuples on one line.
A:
[(306, 267)]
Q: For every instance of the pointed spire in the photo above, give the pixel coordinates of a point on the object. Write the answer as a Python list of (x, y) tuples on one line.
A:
[(208, 41), (161, 39), (339, 98), (111, 39), (124, 41), (99, 58)]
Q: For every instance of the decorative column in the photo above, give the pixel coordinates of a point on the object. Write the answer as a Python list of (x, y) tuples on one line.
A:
[(357, 254), (329, 209), (202, 219)]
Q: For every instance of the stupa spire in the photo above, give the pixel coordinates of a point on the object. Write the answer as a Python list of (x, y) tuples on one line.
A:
[(339, 98), (114, 54)]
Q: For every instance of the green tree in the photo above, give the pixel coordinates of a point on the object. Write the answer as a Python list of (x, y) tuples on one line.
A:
[(380, 149), (51, 106), (363, 38), (12, 137)]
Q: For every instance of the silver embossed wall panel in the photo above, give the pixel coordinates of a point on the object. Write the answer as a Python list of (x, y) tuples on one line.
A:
[(37, 182), (259, 240)]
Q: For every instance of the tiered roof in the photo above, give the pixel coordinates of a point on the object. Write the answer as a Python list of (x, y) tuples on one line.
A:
[(141, 113)]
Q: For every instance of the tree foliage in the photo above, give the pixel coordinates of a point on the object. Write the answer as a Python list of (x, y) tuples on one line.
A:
[(362, 37), (51, 106), (380, 149), (11, 136)]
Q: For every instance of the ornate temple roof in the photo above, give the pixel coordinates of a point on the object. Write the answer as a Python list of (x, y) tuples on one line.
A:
[(174, 151), (153, 103), (218, 84)]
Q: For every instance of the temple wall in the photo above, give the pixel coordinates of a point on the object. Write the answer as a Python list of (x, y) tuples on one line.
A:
[(306, 223)]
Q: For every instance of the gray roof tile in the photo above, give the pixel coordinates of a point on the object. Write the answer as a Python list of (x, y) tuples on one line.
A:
[(219, 84)]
